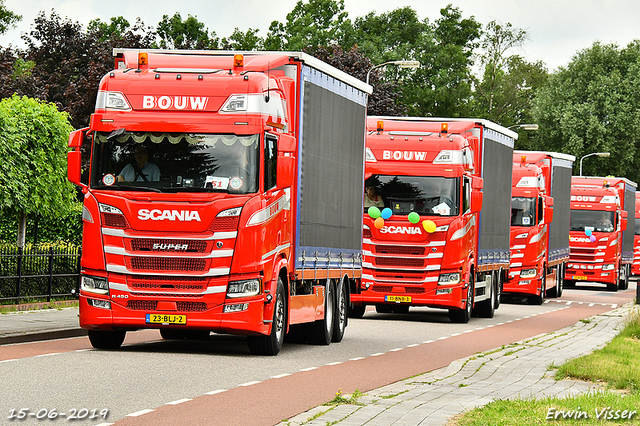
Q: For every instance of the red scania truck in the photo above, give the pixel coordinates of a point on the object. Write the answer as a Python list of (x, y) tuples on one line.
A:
[(224, 194), (635, 267), (440, 237), (601, 244), (540, 215)]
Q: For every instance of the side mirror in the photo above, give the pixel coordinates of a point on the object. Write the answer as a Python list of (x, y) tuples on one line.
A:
[(548, 209), (285, 171), (476, 201), (74, 157), (623, 222), (477, 183)]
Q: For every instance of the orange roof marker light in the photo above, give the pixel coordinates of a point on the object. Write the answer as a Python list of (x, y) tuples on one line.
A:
[(380, 126), (143, 59), (444, 128), (238, 61), (523, 159)]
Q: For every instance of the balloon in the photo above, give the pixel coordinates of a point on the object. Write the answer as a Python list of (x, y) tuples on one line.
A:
[(414, 217), (379, 222), (386, 213), (374, 212), (592, 238), (587, 232), (429, 226)]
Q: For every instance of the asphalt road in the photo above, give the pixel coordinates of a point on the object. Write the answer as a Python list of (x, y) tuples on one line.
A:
[(150, 381)]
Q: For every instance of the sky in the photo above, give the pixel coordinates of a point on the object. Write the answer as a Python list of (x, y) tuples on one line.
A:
[(557, 29)]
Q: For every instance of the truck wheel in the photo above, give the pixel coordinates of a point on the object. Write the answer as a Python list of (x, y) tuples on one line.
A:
[(487, 308), (499, 284), (539, 300), (463, 315), (272, 343), (623, 283), (356, 311), (106, 339), (340, 317), (320, 332)]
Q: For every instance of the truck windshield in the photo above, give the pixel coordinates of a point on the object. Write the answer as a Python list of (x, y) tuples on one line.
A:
[(592, 220), (523, 211), (175, 162), (425, 195)]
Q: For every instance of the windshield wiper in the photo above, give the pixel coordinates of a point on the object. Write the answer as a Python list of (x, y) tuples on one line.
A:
[(135, 188)]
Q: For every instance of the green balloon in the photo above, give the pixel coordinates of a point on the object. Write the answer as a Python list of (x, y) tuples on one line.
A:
[(374, 212), (414, 217)]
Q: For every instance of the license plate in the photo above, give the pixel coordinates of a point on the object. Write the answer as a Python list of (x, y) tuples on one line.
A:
[(166, 319), (579, 277), (405, 299)]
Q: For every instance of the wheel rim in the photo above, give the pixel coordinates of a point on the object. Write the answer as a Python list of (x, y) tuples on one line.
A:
[(279, 320), (342, 307), (469, 306)]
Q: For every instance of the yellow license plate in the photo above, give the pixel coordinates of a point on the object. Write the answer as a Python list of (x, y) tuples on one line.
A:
[(166, 319), (579, 277), (405, 299)]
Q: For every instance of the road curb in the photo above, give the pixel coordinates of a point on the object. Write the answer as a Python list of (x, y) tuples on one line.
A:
[(43, 335)]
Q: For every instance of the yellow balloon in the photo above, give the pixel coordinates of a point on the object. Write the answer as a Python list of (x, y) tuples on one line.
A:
[(379, 222), (429, 226)]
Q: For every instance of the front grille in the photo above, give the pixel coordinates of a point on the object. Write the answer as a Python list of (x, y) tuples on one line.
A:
[(382, 288), (167, 284), (225, 224), (166, 264), (398, 275), (191, 306), (400, 262), (175, 245), (142, 305), (414, 290), (169, 295), (401, 250)]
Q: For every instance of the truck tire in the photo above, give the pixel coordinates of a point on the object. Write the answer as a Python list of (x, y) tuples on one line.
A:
[(320, 332), (499, 284), (463, 316), (539, 299), (106, 339), (487, 308), (272, 343), (356, 311), (340, 318), (623, 282), (557, 290)]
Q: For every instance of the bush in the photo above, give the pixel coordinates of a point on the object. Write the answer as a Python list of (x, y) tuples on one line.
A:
[(64, 228)]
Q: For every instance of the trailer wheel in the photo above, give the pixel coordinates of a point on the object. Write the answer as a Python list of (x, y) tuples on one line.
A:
[(321, 332), (272, 343), (487, 308), (341, 314), (464, 315), (101, 339)]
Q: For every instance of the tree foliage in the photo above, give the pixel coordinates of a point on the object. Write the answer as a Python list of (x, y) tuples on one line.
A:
[(174, 33), (593, 105), (34, 141), (8, 19)]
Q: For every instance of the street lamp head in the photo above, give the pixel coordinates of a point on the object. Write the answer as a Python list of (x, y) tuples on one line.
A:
[(406, 64), (524, 126), (603, 154)]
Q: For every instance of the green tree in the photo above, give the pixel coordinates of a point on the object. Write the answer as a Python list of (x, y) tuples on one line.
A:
[(239, 40), (174, 33), (310, 25), (8, 19), (34, 143), (593, 105)]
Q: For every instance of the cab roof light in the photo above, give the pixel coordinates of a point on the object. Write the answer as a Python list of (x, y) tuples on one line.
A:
[(444, 128), (143, 59), (238, 61), (380, 126), (523, 159)]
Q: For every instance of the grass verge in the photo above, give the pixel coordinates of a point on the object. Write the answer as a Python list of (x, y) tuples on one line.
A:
[(617, 365)]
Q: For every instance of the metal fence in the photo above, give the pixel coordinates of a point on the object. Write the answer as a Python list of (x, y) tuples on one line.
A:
[(39, 273)]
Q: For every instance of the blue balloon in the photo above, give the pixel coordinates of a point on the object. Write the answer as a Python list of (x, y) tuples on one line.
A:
[(386, 213), (587, 232)]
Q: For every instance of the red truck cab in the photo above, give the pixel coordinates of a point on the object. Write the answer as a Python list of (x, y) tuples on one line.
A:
[(539, 224)]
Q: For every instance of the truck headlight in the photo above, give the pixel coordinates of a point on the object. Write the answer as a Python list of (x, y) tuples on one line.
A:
[(528, 273), (94, 285), (608, 267), (445, 279), (243, 288)]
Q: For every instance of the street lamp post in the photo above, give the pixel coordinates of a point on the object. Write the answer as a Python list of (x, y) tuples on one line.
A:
[(599, 154), (524, 126), (400, 64)]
